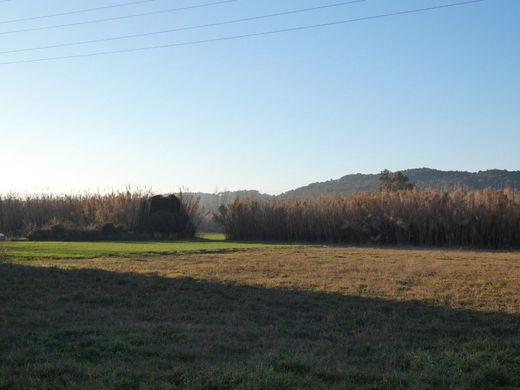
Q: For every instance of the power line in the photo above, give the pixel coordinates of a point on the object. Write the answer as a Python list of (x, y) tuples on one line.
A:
[(188, 7), (250, 35), (301, 10), (79, 11)]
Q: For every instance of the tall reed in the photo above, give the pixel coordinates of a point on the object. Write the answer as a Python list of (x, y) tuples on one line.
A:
[(19, 215), (488, 218)]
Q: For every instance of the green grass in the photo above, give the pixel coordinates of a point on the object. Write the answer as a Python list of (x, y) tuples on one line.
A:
[(212, 236), (28, 250)]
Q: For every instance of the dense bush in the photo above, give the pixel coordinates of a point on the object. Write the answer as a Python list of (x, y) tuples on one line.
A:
[(485, 218), (166, 216), (67, 232)]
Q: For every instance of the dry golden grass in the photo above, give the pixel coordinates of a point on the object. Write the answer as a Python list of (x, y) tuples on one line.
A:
[(486, 281)]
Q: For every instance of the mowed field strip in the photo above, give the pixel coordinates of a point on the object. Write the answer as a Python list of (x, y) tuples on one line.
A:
[(30, 250), (262, 318)]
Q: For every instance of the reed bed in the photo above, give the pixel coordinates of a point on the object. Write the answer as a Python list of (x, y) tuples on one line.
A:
[(487, 218), (20, 215)]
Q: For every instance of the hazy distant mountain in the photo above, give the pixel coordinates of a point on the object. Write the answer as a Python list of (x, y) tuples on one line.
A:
[(213, 201), (422, 177)]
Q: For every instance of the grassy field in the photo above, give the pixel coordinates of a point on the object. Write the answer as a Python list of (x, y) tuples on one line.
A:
[(261, 318), (30, 250)]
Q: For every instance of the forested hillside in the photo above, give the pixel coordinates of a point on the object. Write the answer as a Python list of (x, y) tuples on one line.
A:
[(422, 177)]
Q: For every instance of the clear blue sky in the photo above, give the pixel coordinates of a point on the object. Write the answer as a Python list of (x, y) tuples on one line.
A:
[(439, 89)]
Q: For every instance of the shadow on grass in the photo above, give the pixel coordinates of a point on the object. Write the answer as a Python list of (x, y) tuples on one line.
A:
[(93, 329)]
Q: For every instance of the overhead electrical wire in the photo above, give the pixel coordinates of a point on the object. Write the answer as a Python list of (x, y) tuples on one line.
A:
[(79, 11), (164, 11), (249, 35), (195, 27)]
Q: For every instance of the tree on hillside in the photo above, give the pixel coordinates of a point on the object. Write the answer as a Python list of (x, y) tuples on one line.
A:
[(398, 181)]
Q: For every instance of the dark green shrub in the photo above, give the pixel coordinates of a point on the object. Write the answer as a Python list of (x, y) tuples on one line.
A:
[(165, 217)]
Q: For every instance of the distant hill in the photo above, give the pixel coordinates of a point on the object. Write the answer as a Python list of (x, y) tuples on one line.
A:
[(422, 177), (213, 201)]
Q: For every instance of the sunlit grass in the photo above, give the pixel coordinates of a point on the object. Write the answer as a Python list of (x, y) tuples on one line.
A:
[(212, 236), (29, 250)]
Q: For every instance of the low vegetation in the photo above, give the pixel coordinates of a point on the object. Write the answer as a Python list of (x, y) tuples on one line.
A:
[(29, 250), (3, 251), (272, 318)]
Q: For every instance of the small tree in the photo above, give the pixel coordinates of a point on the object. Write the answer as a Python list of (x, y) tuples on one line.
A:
[(396, 182), (402, 182), (385, 181)]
